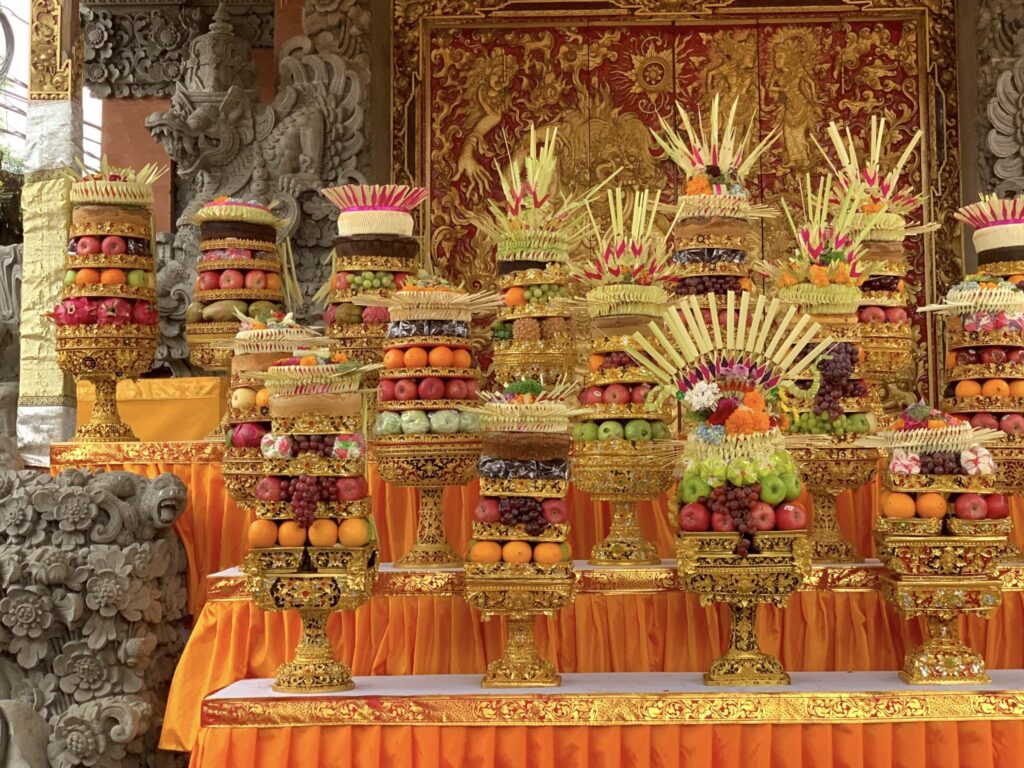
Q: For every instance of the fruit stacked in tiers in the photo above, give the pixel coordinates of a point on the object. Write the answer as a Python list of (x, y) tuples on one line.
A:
[(998, 238), (886, 307), (834, 399), (242, 271), (374, 254), (429, 367), (524, 476), (985, 353), (313, 493), (940, 476), (110, 278), (534, 230), (719, 224)]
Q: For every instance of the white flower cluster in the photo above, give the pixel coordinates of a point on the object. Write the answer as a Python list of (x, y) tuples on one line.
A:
[(703, 396)]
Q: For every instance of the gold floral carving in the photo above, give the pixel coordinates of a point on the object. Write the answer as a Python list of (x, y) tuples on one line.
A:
[(56, 47)]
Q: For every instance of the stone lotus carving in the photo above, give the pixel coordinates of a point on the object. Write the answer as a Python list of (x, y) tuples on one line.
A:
[(92, 603)]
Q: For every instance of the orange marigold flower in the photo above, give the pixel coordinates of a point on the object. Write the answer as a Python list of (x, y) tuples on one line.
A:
[(762, 421), (339, 357), (871, 207), (307, 360), (698, 186), (740, 422), (754, 400), (786, 279), (819, 276)]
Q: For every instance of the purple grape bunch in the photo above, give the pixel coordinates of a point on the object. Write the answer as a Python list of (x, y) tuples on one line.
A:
[(835, 369), (320, 445), (737, 502), (305, 492), (522, 510)]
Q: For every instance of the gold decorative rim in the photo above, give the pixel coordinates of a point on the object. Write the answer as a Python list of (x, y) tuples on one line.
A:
[(422, 373), (499, 532), (940, 483), (996, 527), (982, 403), (556, 574), (344, 263), (368, 333), (424, 405), (102, 261), (717, 268), (630, 411), (1002, 268), (345, 296), (554, 273), (896, 331), (963, 339), (319, 466), (633, 374), (538, 489), (97, 291), (316, 424), (282, 510), (908, 526), (554, 308), (987, 371), (216, 331), (239, 294), (883, 299), (121, 229), (404, 342), (262, 246), (267, 265)]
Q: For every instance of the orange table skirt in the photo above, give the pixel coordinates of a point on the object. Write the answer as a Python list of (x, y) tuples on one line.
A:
[(667, 631), (874, 745)]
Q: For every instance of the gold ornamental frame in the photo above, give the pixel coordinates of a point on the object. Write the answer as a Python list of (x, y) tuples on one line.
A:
[(933, 21)]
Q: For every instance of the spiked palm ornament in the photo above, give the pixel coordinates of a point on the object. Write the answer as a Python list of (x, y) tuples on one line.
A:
[(728, 377)]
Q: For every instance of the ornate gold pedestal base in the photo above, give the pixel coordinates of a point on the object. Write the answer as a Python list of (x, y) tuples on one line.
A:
[(314, 668), (431, 549), (827, 542), (943, 658), (624, 544), (744, 663), (522, 665), (105, 425)]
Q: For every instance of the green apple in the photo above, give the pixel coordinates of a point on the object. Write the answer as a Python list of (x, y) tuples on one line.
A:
[(793, 485), (659, 430), (858, 422), (638, 429), (585, 432), (773, 490), (610, 430), (69, 277), (138, 278), (693, 488)]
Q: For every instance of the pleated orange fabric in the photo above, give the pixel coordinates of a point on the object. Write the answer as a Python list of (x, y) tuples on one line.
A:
[(973, 744), (669, 631)]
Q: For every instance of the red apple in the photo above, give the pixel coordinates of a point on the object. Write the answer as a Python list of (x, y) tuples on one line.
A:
[(639, 393), (472, 388), (208, 281), (341, 281), (992, 355), (761, 516), (400, 278), (997, 506), (231, 279), (984, 421), (487, 511), (405, 389), (1012, 424), (722, 522), (790, 517), (268, 489), (592, 396), (256, 280), (88, 245), (554, 511), (896, 315), (615, 394), (351, 488), (113, 244), (694, 517), (970, 506), (1015, 356), (386, 390), (455, 389), (872, 315), (431, 388)]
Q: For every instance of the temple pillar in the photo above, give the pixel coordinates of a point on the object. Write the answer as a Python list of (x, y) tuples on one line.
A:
[(46, 400)]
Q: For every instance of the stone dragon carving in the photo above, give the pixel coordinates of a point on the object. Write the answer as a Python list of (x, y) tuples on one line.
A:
[(224, 141), (92, 608)]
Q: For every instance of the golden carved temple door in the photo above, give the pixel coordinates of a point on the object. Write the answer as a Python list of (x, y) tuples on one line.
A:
[(468, 79)]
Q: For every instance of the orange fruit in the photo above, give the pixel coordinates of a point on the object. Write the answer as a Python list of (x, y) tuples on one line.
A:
[(441, 357), (898, 504), (323, 533), (547, 552), (595, 362), (416, 357), (394, 358), (87, 276), (354, 532), (1015, 279), (995, 388), (291, 534), (273, 281), (746, 284), (930, 505), (113, 277), (1017, 388), (462, 359), (263, 397), (262, 534), (967, 388), (950, 360), (485, 552), (515, 297), (516, 552)]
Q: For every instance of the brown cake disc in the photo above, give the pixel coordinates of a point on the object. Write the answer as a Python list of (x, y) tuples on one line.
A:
[(239, 230), (395, 246), (536, 446)]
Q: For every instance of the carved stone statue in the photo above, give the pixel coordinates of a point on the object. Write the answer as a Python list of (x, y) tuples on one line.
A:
[(1001, 96), (92, 608), (224, 141)]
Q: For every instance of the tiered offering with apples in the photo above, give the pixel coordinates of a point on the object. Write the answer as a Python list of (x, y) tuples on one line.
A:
[(718, 225), (617, 441), (313, 546), (519, 564), (743, 538), (107, 318), (942, 530), (245, 270)]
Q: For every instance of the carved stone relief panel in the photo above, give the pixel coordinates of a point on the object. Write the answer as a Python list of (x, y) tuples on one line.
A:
[(1001, 95)]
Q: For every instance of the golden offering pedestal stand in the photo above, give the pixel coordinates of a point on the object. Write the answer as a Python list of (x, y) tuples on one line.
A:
[(1008, 455), (622, 473), (520, 592), (776, 567), (428, 462), (830, 467), (105, 354)]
